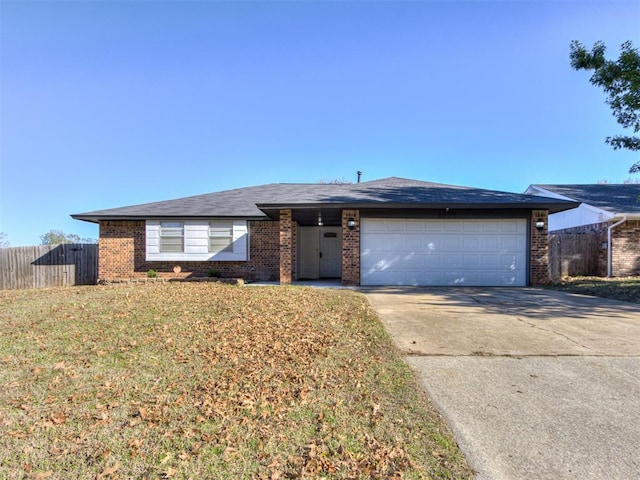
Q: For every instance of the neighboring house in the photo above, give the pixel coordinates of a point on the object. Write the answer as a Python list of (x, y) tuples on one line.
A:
[(392, 231), (610, 210)]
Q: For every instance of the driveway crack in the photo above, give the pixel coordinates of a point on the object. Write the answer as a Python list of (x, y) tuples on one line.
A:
[(551, 330)]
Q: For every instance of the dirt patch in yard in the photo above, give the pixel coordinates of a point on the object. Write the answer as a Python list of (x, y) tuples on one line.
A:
[(626, 289), (209, 381)]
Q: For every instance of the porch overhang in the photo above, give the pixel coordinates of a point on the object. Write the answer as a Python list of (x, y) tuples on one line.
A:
[(329, 214)]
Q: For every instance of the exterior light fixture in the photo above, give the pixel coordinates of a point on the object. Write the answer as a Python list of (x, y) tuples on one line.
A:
[(351, 224), (539, 224)]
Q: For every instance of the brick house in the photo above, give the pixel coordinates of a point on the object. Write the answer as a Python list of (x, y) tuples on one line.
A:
[(392, 231), (611, 211)]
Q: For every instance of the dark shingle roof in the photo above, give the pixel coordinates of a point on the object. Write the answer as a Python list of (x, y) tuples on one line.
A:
[(394, 192), (614, 198)]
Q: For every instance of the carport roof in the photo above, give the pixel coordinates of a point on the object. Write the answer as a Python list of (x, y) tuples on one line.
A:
[(389, 193)]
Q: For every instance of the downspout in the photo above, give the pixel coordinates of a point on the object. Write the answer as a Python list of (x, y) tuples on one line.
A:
[(609, 249)]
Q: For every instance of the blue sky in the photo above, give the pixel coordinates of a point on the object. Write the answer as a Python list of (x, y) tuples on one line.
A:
[(106, 104)]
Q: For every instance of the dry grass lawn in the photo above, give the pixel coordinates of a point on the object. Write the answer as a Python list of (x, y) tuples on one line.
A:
[(627, 289), (209, 381)]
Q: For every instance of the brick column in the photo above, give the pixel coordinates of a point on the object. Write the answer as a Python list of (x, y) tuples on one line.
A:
[(294, 250), (539, 269), (350, 248), (624, 249), (118, 249), (286, 247)]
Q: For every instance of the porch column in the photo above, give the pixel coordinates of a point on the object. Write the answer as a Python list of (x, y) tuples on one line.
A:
[(350, 248), (286, 247), (539, 255)]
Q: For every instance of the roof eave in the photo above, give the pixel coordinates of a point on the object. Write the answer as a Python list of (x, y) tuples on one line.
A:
[(98, 218), (553, 207), (628, 216)]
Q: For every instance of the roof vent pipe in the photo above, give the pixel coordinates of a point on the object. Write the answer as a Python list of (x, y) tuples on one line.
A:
[(359, 175), (609, 249)]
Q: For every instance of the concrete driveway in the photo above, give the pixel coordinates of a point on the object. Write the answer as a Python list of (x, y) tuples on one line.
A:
[(534, 383)]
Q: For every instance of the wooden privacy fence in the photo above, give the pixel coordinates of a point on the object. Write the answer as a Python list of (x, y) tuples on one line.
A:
[(573, 254), (49, 266)]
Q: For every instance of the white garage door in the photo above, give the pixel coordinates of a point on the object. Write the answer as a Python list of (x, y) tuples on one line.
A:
[(443, 252)]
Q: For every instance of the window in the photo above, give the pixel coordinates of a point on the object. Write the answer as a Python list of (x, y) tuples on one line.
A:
[(171, 237), (197, 240), (220, 237)]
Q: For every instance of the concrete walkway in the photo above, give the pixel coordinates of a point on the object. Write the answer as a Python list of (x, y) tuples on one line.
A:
[(534, 383)]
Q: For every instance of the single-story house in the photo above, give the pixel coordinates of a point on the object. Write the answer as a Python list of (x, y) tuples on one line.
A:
[(392, 231), (610, 210)]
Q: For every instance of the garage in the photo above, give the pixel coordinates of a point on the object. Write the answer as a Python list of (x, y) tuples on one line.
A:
[(440, 252)]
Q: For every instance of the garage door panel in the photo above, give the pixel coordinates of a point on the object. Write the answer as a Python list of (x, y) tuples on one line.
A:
[(415, 243), (491, 227), (471, 227), (452, 243), (490, 243), (452, 260), (414, 227), (433, 261), (433, 227), (471, 260), (443, 252), (396, 227), (469, 242), (509, 243), (491, 261)]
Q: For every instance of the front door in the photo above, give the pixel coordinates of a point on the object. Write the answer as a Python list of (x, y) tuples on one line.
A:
[(330, 252), (319, 252)]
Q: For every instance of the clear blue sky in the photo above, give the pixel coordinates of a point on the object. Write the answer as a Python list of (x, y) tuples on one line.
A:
[(106, 104)]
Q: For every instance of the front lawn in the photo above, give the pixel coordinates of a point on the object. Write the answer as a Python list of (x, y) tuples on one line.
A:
[(627, 289), (200, 380)]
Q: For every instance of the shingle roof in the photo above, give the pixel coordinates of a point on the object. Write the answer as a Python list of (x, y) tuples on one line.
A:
[(394, 192), (614, 198)]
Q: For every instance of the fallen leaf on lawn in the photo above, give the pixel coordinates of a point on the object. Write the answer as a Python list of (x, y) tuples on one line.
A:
[(58, 418), (40, 475), (108, 471)]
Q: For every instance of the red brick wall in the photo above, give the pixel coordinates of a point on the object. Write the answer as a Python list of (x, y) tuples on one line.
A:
[(122, 255), (287, 247), (539, 255), (350, 249), (626, 249)]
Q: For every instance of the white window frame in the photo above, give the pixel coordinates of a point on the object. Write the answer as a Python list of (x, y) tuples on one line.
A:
[(196, 240), (220, 231), (169, 233)]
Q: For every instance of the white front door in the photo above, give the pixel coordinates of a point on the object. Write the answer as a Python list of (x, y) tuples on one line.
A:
[(308, 253), (330, 252), (319, 252)]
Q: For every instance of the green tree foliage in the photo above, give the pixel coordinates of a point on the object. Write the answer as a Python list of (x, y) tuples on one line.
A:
[(620, 80), (53, 237)]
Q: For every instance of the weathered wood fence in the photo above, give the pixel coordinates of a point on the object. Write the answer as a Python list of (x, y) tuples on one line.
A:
[(48, 266), (573, 254)]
